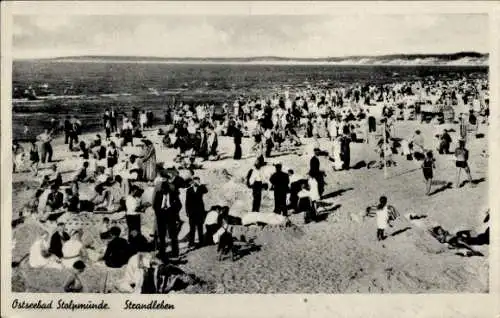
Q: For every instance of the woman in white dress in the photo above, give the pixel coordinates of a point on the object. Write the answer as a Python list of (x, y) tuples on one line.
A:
[(73, 250), (133, 278), (39, 254), (336, 151)]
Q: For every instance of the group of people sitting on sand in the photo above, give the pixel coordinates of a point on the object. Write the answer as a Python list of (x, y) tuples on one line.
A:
[(119, 180)]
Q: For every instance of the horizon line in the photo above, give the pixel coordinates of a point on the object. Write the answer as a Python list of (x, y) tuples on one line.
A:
[(483, 54)]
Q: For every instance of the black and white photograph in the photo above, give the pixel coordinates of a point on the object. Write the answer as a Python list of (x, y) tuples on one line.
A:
[(250, 154)]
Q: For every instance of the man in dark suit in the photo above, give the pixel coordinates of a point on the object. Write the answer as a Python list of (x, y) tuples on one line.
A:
[(167, 206), (280, 184), (195, 210), (55, 199)]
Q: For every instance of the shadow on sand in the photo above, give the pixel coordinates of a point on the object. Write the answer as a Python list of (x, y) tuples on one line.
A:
[(323, 214), (400, 231), (445, 187), (335, 193), (474, 182)]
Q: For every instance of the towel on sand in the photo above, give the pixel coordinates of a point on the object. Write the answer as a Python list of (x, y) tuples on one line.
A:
[(266, 218)]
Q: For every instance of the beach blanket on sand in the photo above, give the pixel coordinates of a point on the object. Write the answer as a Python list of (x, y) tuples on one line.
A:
[(263, 218)]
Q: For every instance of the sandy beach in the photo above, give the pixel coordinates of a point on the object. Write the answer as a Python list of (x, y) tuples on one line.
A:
[(339, 254)]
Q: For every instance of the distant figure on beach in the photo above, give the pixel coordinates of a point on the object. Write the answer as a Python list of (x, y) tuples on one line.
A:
[(113, 119), (148, 161), (195, 210), (127, 133), (45, 146), (134, 208), (112, 155), (315, 172), (143, 120), (382, 217), (255, 180), (280, 184), (34, 157), (237, 135), (445, 143), (68, 128), (461, 161), (428, 165)]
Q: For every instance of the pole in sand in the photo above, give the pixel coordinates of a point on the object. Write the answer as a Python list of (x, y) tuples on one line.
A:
[(385, 149)]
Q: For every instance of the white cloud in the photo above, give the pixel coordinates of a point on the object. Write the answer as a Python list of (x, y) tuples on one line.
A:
[(362, 34)]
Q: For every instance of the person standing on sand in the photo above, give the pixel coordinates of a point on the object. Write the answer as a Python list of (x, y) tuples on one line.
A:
[(113, 120), (461, 161), (127, 132), (255, 180), (45, 147), (382, 217), (68, 127), (427, 168), (148, 161), (237, 135), (212, 141), (34, 158), (445, 142), (280, 184), (345, 151), (315, 172), (195, 210), (134, 209), (143, 120)]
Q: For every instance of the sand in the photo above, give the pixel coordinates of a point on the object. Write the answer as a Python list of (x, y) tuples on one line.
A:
[(339, 254)]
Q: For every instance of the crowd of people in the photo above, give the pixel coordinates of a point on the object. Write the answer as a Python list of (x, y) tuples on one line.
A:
[(119, 177)]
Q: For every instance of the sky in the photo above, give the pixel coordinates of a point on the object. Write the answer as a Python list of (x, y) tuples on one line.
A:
[(310, 36)]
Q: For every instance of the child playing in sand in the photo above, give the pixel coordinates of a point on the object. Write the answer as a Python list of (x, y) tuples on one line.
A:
[(427, 168), (382, 216)]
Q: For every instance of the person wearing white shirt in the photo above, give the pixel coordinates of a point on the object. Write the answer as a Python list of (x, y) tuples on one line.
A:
[(256, 182), (133, 209), (143, 120), (382, 217)]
